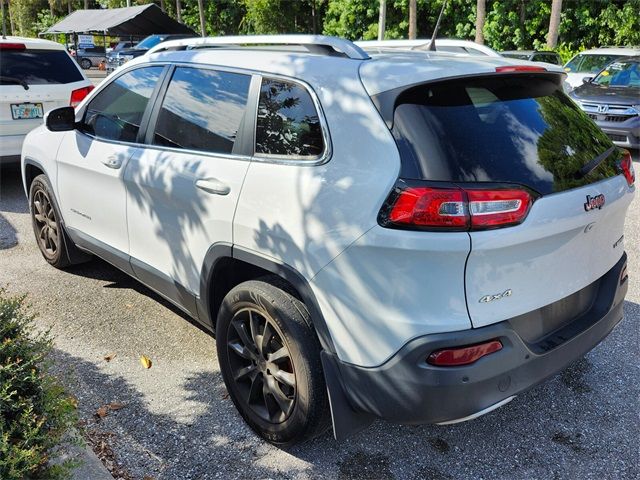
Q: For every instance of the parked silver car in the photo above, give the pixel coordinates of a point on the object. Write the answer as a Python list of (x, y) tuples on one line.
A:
[(612, 99)]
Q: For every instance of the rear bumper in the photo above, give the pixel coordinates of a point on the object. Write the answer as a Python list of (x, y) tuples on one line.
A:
[(408, 390), (11, 146)]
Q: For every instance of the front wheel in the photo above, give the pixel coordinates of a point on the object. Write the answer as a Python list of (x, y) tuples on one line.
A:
[(270, 361), (54, 245), (85, 63)]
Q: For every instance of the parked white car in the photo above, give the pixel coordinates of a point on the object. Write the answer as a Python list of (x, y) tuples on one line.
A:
[(589, 63), (420, 247), (450, 45), (36, 76)]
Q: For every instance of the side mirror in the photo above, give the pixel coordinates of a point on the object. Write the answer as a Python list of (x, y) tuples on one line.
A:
[(61, 119), (587, 79)]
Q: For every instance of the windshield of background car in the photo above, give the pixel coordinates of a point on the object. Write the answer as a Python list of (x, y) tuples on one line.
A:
[(518, 129), (149, 42), (520, 56), (620, 74), (589, 63), (38, 67)]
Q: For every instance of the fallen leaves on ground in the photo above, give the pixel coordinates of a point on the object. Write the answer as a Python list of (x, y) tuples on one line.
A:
[(145, 361), (104, 410), (110, 356)]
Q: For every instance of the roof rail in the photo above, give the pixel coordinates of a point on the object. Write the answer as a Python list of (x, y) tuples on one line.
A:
[(321, 44)]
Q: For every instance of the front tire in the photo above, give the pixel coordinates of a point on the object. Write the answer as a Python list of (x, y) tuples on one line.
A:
[(47, 227), (270, 361), (85, 63)]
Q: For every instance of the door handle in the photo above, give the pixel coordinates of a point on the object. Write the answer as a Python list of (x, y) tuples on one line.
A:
[(112, 161), (213, 185)]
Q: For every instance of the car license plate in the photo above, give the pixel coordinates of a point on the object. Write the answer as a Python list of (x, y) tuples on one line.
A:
[(26, 111)]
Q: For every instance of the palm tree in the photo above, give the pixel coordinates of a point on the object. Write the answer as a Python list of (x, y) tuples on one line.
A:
[(178, 13), (412, 19), (162, 5), (203, 30), (481, 13), (554, 23), (382, 19)]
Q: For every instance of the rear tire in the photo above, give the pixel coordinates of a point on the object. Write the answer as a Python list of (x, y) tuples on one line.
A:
[(54, 245), (269, 356), (85, 63)]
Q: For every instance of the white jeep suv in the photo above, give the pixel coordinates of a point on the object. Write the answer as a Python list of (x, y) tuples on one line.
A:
[(419, 247)]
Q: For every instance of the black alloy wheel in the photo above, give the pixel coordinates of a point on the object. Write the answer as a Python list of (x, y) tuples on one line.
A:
[(261, 365)]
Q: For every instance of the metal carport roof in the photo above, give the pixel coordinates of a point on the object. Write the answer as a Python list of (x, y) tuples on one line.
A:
[(139, 21)]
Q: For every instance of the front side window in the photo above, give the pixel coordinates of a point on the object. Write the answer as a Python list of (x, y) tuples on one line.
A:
[(288, 123), (116, 112), (202, 110)]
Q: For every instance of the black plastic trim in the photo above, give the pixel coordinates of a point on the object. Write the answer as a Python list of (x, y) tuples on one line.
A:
[(216, 252), (112, 255)]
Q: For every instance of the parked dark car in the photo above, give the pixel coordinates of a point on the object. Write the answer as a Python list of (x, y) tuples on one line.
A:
[(90, 57), (120, 57), (612, 99), (534, 56)]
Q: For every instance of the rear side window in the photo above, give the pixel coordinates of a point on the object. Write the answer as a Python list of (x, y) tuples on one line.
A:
[(116, 112), (514, 129), (38, 67), (202, 110), (288, 124)]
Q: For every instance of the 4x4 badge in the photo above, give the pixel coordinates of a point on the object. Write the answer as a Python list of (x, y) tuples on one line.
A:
[(594, 202)]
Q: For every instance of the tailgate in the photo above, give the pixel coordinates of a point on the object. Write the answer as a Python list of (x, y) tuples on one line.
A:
[(559, 249)]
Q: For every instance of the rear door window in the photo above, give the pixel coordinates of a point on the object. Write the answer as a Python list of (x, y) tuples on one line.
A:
[(202, 110), (116, 112), (38, 67), (514, 129), (288, 124)]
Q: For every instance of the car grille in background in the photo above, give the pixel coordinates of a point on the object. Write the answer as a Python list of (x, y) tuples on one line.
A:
[(617, 138), (610, 118)]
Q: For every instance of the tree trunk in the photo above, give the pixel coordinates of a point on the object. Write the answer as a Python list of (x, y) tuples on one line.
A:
[(203, 29), (178, 12), (314, 18), (86, 4), (481, 14), (554, 24), (162, 5), (413, 20), (382, 19), (69, 6), (12, 23)]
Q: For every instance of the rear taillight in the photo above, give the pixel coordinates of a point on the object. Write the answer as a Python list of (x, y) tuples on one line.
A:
[(78, 95), (626, 166), (519, 68), (454, 357), (12, 46), (454, 208)]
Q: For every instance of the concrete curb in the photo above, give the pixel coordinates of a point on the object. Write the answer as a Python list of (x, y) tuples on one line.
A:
[(91, 468)]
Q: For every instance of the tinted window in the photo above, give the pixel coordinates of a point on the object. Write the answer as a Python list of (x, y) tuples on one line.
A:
[(116, 112), (288, 123), (589, 63), (509, 129), (38, 67), (202, 110)]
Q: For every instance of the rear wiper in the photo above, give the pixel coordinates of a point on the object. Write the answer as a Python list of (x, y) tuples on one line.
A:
[(19, 81), (592, 165)]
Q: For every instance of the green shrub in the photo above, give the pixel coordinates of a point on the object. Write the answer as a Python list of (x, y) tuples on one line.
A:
[(35, 412)]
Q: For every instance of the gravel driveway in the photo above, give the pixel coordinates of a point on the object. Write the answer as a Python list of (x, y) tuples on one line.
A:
[(178, 423)]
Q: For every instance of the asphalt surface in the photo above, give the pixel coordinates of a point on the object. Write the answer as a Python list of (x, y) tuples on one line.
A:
[(178, 422)]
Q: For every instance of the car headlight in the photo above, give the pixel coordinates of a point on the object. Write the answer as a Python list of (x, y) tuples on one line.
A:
[(126, 58), (636, 108)]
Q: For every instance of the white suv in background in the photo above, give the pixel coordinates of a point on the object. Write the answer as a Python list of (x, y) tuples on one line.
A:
[(419, 247), (35, 76)]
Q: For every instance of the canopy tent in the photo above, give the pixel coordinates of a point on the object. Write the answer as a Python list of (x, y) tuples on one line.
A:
[(129, 21)]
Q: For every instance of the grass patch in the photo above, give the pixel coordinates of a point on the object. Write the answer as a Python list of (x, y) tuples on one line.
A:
[(35, 411)]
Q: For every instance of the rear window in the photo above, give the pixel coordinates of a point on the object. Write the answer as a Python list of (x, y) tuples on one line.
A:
[(512, 129), (38, 67)]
